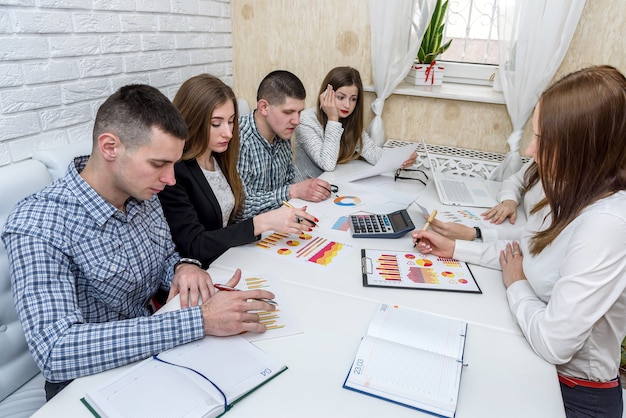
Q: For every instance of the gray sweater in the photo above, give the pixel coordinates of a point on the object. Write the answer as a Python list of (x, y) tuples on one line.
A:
[(317, 149)]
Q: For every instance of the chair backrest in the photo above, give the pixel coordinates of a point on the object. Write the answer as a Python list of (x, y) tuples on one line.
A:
[(242, 106), (57, 159), (17, 366)]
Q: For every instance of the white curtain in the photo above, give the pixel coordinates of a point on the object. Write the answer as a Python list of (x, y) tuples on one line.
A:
[(534, 36), (396, 31)]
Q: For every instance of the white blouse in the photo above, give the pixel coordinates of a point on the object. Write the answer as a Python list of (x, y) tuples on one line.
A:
[(222, 191), (572, 308)]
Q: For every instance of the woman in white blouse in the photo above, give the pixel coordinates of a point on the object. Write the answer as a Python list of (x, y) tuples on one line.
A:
[(332, 132), (566, 277)]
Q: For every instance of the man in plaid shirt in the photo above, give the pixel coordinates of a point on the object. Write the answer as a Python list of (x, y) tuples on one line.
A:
[(89, 251), (265, 162)]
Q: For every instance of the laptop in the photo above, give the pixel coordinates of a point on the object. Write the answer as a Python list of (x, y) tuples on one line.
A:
[(463, 191)]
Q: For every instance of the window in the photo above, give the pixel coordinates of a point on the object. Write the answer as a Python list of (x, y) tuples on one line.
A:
[(473, 56)]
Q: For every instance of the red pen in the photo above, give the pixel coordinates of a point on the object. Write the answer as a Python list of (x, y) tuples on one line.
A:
[(232, 289)]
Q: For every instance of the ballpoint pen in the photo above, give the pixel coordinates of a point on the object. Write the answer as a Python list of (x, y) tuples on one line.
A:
[(232, 289), (299, 219), (427, 224)]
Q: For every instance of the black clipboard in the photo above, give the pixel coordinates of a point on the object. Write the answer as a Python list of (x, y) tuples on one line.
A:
[(413, 270)]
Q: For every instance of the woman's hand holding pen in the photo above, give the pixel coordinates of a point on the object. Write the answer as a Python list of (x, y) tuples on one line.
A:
[(453, 230), (430, 242), (288, 220), (231, 313)]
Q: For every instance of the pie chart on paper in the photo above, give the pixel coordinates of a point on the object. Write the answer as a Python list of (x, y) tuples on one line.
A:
[(347, 201), (423, 262)]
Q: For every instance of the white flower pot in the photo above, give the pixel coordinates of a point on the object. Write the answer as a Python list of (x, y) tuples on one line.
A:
[(425, 74)]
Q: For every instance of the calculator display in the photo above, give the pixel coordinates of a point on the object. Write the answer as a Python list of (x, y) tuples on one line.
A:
[(397, 220)]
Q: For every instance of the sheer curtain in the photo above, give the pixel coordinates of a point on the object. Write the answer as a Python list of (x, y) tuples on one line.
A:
[(396, 29), (534, 37)]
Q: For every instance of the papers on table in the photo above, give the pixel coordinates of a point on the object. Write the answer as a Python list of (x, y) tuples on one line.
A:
[(357, 197), (391, 160)]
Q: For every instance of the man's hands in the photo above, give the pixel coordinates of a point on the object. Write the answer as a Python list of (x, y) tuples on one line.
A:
[(312, 190), (231, 313), (191, 282)]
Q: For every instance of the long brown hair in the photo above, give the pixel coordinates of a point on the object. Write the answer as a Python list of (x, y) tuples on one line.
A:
[(197, 99), (353, 124), (581, 154)]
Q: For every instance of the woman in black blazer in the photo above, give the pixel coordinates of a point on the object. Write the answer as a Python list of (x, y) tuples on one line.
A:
[(208, 195)]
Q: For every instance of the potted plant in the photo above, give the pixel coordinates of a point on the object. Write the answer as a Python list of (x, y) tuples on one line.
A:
[(425, 70)]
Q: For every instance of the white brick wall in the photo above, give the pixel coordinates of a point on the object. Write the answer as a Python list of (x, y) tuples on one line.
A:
[(59, 60)]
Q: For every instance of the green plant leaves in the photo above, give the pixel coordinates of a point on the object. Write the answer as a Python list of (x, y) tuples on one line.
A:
[(431, 46)]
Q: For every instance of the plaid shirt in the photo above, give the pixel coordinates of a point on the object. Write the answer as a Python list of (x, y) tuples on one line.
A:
[(82, 273), (266, 169)]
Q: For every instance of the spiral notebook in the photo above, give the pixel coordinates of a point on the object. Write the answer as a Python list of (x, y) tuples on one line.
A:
[(411, 358), (203, 378)]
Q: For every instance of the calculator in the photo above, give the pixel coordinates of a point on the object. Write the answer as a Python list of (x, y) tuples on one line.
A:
[(391, 225)]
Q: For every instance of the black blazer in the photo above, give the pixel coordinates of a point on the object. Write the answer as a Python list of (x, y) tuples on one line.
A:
[(195, 217)]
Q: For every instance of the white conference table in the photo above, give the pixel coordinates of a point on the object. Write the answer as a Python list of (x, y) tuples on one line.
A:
[(504, 377)]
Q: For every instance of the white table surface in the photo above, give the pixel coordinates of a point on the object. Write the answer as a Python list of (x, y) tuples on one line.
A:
[(504, 377)]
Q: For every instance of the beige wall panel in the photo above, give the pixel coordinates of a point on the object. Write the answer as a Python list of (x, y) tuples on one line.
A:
[(305, 37), (309, 37)]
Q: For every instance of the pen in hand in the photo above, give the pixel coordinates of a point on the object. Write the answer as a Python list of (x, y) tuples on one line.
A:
[(427, 224), (232, 289), (299, 219)]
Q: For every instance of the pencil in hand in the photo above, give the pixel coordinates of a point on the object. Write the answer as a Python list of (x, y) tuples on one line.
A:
[(427, 224)]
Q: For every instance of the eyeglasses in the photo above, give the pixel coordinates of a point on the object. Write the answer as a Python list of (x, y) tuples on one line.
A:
[(410, 174)]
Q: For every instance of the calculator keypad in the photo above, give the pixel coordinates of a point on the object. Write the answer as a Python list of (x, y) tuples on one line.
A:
[(368, 224)]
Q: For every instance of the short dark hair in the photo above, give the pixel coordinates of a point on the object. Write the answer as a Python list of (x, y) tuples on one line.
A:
[(132, 111), (278, 85)]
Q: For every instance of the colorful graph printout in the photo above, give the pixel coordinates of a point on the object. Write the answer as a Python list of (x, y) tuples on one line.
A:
[(305, 248), (280, 322), (412, 270), (342, 224)]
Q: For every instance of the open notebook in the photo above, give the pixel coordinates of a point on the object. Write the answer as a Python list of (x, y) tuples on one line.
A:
[(463, 191), (411, 358), (203, 378)]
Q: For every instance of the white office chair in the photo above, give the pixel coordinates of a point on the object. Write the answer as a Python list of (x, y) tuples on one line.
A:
[(21, 383)]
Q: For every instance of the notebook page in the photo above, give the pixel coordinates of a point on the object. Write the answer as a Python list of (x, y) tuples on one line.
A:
[(420, 330), (402, 373), (232, 363)]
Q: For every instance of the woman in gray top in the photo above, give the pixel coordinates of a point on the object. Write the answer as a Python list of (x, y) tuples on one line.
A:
[(332, 132)]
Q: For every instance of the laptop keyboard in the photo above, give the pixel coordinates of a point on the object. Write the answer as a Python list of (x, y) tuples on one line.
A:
[(457, 191)]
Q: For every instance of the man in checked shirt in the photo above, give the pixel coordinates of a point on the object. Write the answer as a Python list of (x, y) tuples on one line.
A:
[(265, 162), (89, 251)]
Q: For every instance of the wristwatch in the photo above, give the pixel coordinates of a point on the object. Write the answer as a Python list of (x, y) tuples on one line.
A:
[(479, 234), (187, 261)]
